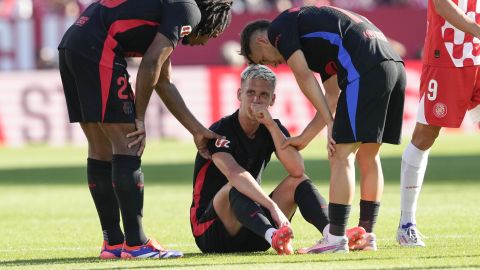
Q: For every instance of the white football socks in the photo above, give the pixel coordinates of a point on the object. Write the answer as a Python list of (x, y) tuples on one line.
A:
[(269, 234), (414, 165), (333, 238)]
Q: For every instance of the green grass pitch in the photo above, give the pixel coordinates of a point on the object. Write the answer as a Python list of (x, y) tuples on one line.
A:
[(48, 220)]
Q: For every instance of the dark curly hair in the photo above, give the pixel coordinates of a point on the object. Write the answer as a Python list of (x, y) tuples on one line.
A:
[(216, 16), (246, 35)]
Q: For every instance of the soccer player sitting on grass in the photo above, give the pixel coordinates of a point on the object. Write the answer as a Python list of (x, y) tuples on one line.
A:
[(230, 212)]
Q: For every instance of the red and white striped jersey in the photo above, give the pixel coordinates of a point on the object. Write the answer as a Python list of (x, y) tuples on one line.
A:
[(447, 46)]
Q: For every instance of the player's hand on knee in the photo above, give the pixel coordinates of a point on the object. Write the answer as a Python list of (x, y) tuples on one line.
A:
[(330, 141), (139, 135)]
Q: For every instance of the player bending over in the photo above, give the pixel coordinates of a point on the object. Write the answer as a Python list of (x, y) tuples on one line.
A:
[(332, 41), (95, 81)]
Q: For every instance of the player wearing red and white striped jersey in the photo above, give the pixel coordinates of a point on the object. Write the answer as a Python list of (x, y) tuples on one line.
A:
[(449, 86)]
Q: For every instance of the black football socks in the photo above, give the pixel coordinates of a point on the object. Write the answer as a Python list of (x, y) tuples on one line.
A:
[(99, 175), (128, 184), (312, 205), (249, 213), (338, 215), (368, 214)]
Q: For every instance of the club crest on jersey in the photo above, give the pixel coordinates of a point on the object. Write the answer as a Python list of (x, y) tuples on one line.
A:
[(440, 110), (222, 143), (127, 107), (185, 30), (331, 68)]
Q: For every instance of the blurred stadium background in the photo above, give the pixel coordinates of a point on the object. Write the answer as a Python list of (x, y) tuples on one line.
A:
[(47, 218), (32, 107)]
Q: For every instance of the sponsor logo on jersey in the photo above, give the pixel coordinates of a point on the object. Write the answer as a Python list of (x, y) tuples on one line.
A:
[(440, 110), (372, 34), (185, 30), (82, 20), (222, 143)]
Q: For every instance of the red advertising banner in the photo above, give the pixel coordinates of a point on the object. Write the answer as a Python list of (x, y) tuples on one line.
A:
[(32, 105)]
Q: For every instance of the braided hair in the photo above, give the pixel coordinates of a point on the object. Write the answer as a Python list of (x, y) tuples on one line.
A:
[(215, 16)]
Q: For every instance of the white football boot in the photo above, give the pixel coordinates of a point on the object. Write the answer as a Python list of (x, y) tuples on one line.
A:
[(327, 245), (409, 236)]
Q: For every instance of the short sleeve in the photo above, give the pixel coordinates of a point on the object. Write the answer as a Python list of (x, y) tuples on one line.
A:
[(226, 144), (178, 20), (283, 128), (283, 34)]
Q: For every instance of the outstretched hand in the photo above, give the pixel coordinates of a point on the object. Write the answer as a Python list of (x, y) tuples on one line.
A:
[(201, 139), (140, 135)]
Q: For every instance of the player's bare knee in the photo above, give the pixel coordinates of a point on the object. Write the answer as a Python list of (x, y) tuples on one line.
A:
[(341, 159), (290, 184), (100, 153), (297, 173), (296, 179), (367, 159), (121, 148), (224, 191), (424, 136)]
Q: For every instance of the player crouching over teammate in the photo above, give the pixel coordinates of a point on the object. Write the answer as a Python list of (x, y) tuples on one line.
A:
[(336, 43), (230, 212), (99, 97)]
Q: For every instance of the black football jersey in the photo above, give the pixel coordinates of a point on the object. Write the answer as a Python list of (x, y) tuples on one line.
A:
[(333, 40), (252, 154), (128, 27)]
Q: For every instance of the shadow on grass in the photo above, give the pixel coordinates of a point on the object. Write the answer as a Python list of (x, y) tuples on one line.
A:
[(52, 261), (440, 169), (206, 261)]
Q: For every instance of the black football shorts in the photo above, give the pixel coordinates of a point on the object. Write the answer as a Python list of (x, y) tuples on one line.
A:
[(370, 109), (96, 93), (216, 239)]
